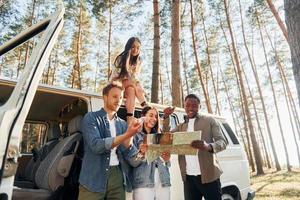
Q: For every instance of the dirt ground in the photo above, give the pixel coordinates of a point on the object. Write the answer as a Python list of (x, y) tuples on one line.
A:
[(280, 185)]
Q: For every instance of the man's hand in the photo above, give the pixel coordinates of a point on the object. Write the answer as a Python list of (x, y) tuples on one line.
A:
[(201, 145), (168, 111), (133, 128), (166, 156)]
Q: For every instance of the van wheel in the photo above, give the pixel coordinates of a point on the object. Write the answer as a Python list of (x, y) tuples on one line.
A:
[(227, 197)]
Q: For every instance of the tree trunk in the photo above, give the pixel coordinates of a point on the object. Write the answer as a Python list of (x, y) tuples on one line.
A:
[(109, 41), (289, 93), (286, 95), (19, 61), (292, 19), (253, 67), (235, 119), (48, 70), (286, 83), (198, 66), (175, 54), (161, 89), (209, 62), (182, 97), (290, 116), (250, 158), (1, 66), (76, 75), (257, 120), (168, 73), (254, 70), (256, 150), (156, 53), (28, 42), (55, 68), (278, 19), (273, 93), (183, 58)]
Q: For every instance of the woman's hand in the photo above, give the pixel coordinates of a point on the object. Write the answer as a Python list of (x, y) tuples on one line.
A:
[(166, 156), (143, 148)]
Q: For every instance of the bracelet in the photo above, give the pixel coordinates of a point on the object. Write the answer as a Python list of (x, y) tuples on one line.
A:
[(212, 149)]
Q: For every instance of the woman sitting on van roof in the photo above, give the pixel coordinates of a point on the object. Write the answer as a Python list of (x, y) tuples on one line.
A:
[(126, 71)]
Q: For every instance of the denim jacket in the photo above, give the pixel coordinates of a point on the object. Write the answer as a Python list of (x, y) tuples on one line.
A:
[(97, 147), (142, 175)]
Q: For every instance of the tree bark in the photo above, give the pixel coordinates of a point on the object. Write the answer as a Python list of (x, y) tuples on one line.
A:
[(286, 94), (156, 53), (292, 19), (198, 66), (257, 120), (209, 62), (168, 73), (56, 65), (109, 40), (255, 145), (19, 61), (76, 74), (273, 93), (183, 58), (253, 67), (28, 42), (48, 70), (235, 120), (278, 19), (161, 89), (175, 54), (248, 150)]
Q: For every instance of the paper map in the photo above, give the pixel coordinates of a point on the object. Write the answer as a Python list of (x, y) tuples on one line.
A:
[(175, 143)]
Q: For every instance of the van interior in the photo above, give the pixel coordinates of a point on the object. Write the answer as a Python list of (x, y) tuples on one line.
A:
[(51, 146)]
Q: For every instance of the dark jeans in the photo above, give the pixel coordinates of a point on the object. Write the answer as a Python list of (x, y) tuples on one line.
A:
[(194, 189)]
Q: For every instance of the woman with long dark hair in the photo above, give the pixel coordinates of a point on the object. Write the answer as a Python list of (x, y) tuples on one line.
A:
[(150, 181), (127, 69)]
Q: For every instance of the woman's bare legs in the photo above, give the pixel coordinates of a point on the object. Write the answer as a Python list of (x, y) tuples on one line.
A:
[(130, 99), (140, 94)]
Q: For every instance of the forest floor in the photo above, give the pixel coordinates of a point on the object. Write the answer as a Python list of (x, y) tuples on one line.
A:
[(280, 185)]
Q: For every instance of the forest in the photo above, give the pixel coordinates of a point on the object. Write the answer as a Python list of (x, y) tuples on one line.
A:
[(233, 54)]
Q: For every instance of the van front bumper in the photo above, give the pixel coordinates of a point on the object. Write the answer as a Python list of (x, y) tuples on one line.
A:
[(250, 195)]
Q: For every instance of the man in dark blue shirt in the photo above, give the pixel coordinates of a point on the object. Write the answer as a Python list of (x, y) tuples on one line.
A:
[(106, 144)]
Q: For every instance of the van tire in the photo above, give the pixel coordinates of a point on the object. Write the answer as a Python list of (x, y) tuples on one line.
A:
[(227, 197), (231, 193)]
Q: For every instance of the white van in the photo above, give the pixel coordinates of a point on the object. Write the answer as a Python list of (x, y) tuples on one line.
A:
[(40, 139)]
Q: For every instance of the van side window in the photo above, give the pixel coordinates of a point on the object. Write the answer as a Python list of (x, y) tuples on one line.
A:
[(230, 133), (173, 122), (33, 136), (223, 133)]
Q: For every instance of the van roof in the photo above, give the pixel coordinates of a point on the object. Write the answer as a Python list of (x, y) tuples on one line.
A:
[(52, 88), (82, 93)]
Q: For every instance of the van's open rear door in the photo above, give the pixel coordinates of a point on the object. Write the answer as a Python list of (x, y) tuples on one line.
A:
[(15, 110)]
